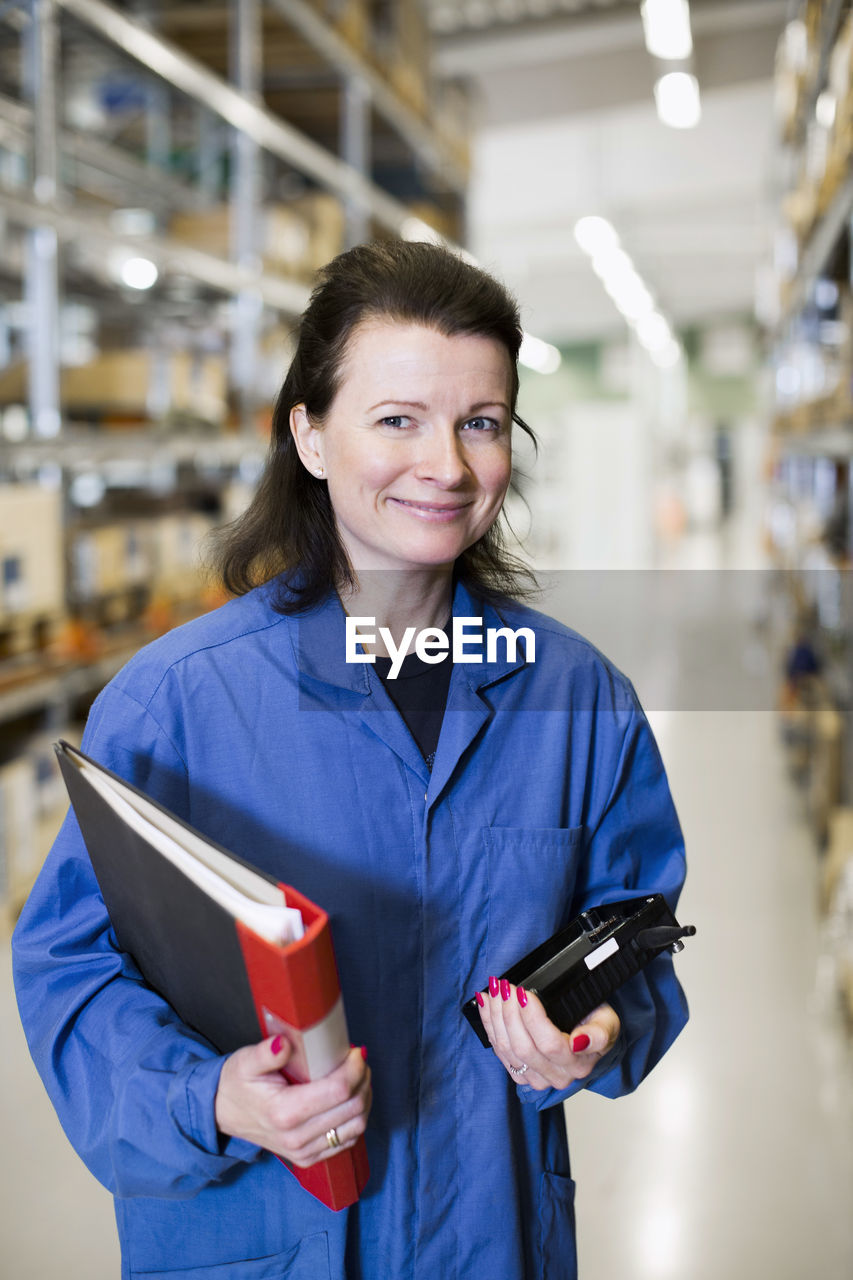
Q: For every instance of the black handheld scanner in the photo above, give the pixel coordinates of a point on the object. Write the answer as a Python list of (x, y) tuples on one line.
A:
[(579, 967)]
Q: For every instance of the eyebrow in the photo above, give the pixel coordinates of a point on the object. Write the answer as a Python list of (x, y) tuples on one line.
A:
[(418, 404)]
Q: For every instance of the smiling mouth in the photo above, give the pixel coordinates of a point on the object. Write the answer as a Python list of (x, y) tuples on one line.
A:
[(431, 506)]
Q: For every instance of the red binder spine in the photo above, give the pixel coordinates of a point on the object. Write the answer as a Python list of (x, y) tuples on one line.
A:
[(296, 991)]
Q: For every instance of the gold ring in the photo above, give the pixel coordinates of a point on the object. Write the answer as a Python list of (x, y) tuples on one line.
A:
[(332, 1138)]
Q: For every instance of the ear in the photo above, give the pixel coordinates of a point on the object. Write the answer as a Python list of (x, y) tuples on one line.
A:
[(308, 440)]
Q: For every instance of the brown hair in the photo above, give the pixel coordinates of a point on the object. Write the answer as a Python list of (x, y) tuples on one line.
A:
[(289, 527)]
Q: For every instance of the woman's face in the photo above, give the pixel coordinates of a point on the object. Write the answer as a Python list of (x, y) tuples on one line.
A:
[(416, 448)]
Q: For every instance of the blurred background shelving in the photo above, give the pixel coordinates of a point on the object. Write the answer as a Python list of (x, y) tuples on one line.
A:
[(225, 152), (810, 342)]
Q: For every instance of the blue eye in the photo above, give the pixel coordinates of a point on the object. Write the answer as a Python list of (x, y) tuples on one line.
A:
[(394, 420), (483, 424)]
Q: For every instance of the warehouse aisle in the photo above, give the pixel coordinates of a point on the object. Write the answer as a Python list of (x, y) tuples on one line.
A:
[(735, 1158), (54, 1217)]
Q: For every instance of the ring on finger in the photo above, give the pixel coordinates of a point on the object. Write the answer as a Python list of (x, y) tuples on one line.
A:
[(332, 1138), (519, 1071)]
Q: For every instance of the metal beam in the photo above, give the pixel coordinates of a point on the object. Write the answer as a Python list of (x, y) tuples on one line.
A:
[(246, 61), (270, 132), (355, 148), (820, 245), (388, 104), (40, 49), (171, 256), (16, 126)]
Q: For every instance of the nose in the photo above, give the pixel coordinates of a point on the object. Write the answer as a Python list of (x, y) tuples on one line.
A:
[(442, 457)]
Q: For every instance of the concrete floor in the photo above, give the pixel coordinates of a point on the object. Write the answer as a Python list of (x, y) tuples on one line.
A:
[(735, 1157)]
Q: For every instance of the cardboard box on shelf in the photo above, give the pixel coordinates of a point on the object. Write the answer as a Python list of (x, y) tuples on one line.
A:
[(839, 852), (400, 47), (18, 821), (138, 384), (179, 572), (445, 221), (198, 386), (325, 217), (349, 18), (799, 208), (451, 119), (825, 768), (283, 235), (840, 68), (110, 558), (410, 84), (33, 803), (32, 563)]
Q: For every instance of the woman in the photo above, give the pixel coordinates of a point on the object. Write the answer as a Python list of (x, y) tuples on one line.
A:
[(448, 815)]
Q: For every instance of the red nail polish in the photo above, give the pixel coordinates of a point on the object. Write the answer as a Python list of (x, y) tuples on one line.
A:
[(522, 996), (504, 989), (364, 1052), (276, 1046), (580, 1043), (480, 1001), (493, 986)]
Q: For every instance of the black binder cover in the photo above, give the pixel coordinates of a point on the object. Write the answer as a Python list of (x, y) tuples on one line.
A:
[(184, 942)]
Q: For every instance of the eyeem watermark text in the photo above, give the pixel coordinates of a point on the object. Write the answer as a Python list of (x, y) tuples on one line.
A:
[(433, 645)]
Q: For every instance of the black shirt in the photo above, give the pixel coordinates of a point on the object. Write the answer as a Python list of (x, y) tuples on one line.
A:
[(419, 693)]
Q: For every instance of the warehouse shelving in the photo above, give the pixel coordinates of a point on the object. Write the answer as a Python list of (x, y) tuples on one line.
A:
[(812, 517), (205, 133)]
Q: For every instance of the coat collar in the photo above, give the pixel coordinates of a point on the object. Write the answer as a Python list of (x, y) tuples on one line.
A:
[(318, 639), (318, 643)]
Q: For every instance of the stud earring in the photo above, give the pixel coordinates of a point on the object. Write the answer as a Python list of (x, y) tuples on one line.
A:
[(319, 472)]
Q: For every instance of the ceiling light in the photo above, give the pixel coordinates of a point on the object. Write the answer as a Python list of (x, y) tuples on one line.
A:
[(653, 332), (138, 273), (627, 290), (666, 27), (677, 100), (538, 355), (633, 299), (596, 236), (613, 265), (667, 357)]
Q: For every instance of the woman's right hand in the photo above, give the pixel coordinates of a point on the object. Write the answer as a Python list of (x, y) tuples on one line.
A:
[(254, 1102)]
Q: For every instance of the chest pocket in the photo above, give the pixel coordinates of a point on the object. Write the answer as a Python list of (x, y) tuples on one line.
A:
[(532, 874)]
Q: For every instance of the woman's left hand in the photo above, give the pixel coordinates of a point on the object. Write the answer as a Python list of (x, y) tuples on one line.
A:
[(534, 1050)]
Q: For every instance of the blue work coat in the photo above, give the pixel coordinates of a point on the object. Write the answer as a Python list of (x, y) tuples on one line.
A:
[(547, 795)]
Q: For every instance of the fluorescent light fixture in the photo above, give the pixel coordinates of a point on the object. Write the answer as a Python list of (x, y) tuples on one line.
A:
[(632, 298), (653, 332), (677, 100), (668, 356), (538, 355), (596, 235), (666, 27), (138, 273), (627, 290), (613, 265)]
